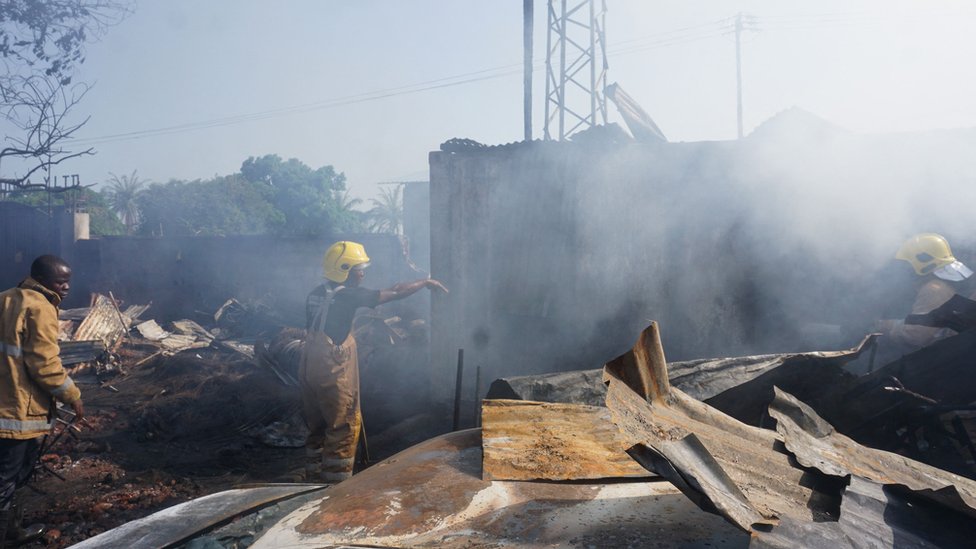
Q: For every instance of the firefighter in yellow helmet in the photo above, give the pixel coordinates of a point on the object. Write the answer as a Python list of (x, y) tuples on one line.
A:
[(329, 370), (941, 276)]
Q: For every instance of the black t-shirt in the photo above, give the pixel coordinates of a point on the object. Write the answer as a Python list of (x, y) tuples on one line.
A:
[(342, 310)]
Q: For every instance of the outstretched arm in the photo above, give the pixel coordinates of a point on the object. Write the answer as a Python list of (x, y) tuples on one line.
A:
[(406, 289)]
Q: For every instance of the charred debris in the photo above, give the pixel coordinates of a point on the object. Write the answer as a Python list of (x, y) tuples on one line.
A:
[(779, 450)]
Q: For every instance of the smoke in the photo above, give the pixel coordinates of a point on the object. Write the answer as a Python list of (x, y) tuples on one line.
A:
[(736, 247)]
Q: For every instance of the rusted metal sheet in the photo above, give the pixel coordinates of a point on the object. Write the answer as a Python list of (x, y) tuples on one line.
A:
[(740, 386), (743, 387), (66, 328), (170, 526), (152, 331), (433, 495), (816, 444), (76, 352), (106, 323), (717, 461), (189, 327), (73, 314), (175, 343), (787, 488), (873, 515), (537, 440)]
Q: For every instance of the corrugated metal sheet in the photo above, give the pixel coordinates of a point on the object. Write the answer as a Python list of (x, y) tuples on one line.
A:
[(816, 444), (744, 473), (537, 440), (433, 495), (703, 379), (76, 352), (179, 522), (106, 323), (717, 461)]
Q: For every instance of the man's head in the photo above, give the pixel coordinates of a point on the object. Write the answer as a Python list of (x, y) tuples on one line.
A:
[(53, 273), (343, 259)]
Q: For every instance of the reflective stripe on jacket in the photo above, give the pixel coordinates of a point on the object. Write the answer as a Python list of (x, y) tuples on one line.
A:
[(31, 374)]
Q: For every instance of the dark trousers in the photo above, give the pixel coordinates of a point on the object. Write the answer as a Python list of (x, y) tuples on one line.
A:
[(17, 458)]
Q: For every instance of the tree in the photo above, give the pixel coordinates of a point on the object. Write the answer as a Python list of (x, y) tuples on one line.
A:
[(221, 206), (306, 197), (48, 37), (269, 195), (41, 42), (348, 218), (123, 193), (36, 109), (386, 215)]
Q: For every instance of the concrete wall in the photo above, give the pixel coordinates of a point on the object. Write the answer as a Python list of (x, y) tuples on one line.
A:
[(27, 232), (189, 276), (557, 254)]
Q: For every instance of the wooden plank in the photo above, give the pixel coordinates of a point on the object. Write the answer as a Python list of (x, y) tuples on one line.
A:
[(526, 440)]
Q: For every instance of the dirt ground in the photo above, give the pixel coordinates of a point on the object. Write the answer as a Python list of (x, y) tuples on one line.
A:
[(172, 429), (161, 430)]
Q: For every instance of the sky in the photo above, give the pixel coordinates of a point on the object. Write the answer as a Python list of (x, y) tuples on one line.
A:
[(187, 89)]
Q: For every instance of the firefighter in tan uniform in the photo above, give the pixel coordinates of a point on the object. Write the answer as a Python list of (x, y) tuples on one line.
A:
[(329, 370), (31, 378), (941, 276)]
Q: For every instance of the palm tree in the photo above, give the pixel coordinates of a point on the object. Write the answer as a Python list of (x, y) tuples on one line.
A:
[(345, 202), (122, 193), (386, 215)]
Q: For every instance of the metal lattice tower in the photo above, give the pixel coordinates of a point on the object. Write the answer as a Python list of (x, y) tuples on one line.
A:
[(576, 67)]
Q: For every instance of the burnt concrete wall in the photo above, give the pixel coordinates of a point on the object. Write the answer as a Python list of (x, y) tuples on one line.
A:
[(557, 254), (539, 285), (190, 276)]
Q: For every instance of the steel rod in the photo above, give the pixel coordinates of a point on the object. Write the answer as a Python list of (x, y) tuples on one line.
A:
[(457, 390)]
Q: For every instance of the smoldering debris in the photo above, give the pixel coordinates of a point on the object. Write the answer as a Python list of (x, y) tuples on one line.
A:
[(182, 408), (800, 484)]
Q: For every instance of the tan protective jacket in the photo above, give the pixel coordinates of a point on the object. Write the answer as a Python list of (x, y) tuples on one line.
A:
[(930, 296), (31, 375)]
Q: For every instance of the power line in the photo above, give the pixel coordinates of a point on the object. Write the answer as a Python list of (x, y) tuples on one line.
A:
[(683, 35)]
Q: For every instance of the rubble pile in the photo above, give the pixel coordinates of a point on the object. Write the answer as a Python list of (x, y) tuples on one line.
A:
[(179, 409), (767, 450), (650, 465)]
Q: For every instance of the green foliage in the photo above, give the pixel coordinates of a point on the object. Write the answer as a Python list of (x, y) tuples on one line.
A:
[(308, 199), (102, 221), (220, 206), (269, 195)]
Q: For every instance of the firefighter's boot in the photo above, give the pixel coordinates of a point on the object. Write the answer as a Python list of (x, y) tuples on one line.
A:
[(16, 534)]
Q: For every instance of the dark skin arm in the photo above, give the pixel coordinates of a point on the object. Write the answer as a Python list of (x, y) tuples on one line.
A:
[(406, 289)]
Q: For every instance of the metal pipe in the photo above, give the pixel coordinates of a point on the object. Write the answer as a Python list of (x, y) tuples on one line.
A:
[(528, 10), (457, 390), (477, 396)]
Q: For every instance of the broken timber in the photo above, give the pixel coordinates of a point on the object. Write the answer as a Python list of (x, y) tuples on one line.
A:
[(545, 441)]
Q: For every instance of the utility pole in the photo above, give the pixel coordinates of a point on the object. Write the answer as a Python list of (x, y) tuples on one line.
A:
[(738, 70), (528, 10)]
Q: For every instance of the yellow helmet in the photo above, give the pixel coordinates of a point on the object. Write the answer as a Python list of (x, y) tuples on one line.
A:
[(930, 253), (343, 257)]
